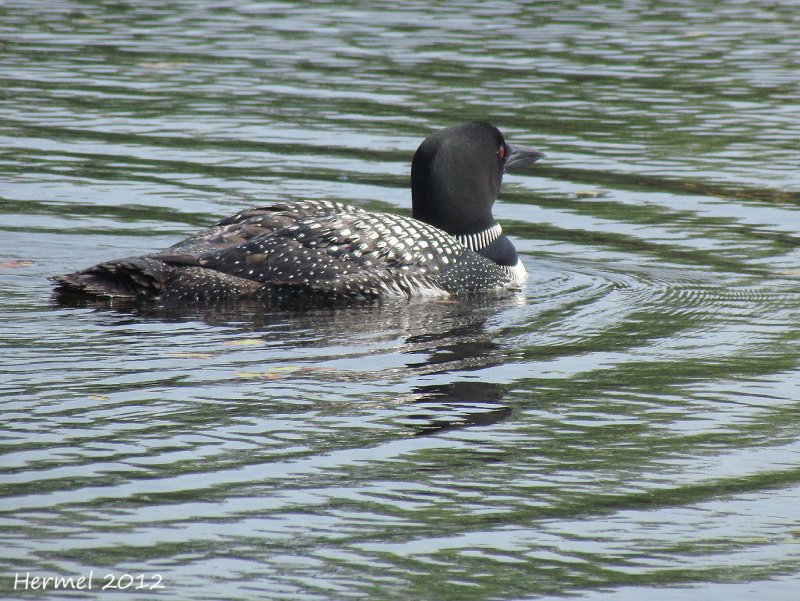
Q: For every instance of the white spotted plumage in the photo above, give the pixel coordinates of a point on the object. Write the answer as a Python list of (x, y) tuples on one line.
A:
[(333, 250)]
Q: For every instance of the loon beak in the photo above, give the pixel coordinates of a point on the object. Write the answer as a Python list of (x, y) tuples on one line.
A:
[(522, 157)]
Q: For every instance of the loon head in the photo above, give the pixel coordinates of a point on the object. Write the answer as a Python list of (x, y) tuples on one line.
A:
[(456, 175)]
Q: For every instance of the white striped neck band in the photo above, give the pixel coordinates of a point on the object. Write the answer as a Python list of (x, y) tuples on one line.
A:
[(482, 239)]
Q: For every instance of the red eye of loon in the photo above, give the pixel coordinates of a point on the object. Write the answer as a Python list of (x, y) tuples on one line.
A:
[(501, 152)]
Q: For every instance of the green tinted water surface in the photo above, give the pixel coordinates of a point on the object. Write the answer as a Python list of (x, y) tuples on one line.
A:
[(626, 427)]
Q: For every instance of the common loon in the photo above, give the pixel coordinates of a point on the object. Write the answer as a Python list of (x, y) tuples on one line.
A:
[(333, 250)]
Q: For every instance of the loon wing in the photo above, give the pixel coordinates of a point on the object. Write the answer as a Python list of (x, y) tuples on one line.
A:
[(177, 267), (354, 254), (253, 223)]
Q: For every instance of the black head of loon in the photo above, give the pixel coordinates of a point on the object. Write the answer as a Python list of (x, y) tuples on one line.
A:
[(456, 175)]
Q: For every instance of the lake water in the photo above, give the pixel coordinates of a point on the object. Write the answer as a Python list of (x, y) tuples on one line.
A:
[(626, 427)]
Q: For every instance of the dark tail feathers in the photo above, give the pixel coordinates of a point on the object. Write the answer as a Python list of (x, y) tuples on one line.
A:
[(136, 277)]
